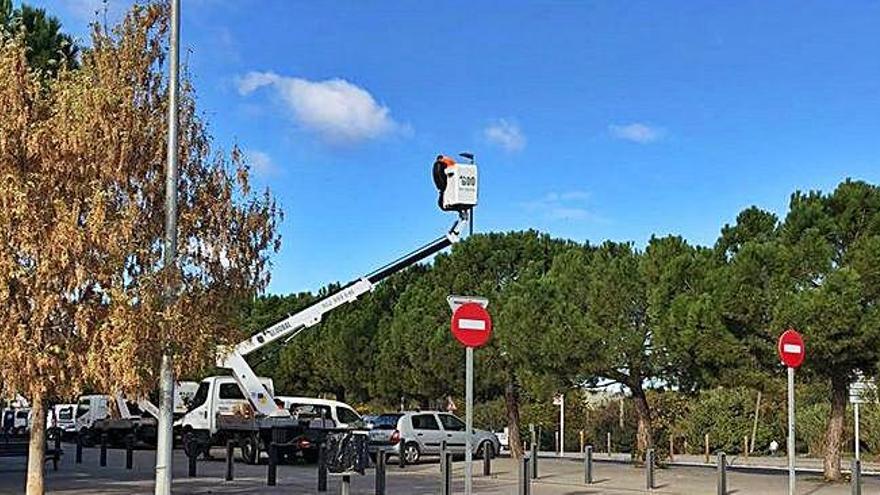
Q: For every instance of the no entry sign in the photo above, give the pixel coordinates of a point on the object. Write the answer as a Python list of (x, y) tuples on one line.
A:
[(471, 325), (791, 348)]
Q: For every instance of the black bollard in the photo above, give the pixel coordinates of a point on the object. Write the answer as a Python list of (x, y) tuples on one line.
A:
[(722, 473), (272, 473), (192, 461), (534, 461), (230, 448), (649, 469), (487, 461), (524, 477), (445, 471), (103, 459), (322, 469), (129, 451), (588, 465), (401, 458), (79, 449), (856, 479), (380, 472), (56, 456)]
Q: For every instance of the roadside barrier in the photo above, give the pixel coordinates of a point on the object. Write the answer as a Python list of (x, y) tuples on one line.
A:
[(129, 451), (588, 465), (380, 472), (524, 476), (103, 458), (230, 450), (722, 473)]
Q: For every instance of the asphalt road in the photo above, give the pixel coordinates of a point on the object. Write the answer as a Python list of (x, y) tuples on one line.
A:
[(557, 477)]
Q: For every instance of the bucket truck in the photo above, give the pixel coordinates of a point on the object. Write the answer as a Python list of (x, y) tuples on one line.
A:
[(243, 407)]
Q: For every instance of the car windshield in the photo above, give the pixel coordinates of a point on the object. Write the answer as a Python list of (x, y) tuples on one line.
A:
[(386, 422)]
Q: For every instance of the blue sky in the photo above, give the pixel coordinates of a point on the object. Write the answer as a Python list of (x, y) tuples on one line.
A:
[(590, 120)]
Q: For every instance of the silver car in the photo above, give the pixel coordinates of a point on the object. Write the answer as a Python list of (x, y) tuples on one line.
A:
[(423, 432)]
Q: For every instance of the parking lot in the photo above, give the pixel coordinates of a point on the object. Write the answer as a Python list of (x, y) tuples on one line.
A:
[(557, 477)]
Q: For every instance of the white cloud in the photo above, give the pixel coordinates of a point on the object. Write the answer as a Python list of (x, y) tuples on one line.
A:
[(636, 132), (569, 205), (336, 110), (261, 163), (505, 134)]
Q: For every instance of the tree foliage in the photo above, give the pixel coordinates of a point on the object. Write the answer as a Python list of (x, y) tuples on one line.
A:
[(47, 48), (82, 183)]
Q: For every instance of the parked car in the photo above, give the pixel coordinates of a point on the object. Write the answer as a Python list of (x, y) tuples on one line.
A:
[(422, 433), (316, 415)]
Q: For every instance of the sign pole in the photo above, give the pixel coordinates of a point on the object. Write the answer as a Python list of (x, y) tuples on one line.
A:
[(562, 426), (791, 477), (856, 412), (469, 420)]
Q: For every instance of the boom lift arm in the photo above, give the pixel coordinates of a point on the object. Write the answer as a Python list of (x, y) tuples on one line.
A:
[(458, 193)]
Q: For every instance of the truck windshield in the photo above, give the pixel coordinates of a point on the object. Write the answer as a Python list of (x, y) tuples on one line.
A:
[(200, 397)]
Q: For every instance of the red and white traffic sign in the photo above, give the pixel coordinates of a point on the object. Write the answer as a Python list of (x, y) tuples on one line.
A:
[(791, 348), (471, 325)]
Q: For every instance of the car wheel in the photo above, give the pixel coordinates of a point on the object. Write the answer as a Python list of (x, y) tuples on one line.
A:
[(250, 449), (486, 449), (412, 453)]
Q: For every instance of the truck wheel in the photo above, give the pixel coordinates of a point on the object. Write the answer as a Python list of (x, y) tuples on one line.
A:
[(250, 449)]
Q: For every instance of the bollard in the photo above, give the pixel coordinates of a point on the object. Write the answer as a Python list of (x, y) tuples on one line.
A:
[(272, 471), (524, 478), (56, 456), (79, 450), (380, 472), (582, 440), (588, 465), (487, 461), (129, 451), (444, 470), (534, 461), (746, 446), (649, 469), (346, 485), (103, 459), (446, 473), (192, 463), (322, 469), (722, 473), (671, 448), (856, 479), (608, 443), (401, 458), (230, 448), (707, 447)]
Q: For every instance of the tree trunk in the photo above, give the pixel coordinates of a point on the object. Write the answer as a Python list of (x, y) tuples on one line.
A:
[(834, 431), (514, 442), (37, 447), (644, 435)]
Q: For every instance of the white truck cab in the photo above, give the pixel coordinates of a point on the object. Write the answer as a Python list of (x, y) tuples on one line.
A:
[(218, 396), (89, 409)]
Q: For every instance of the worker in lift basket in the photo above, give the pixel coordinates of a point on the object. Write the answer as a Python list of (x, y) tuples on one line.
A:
[(439, 172)]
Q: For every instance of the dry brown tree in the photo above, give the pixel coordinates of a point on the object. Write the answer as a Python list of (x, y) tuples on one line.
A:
[(82, 178)]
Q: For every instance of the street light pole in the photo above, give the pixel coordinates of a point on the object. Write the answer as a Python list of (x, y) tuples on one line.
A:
[(164, 444)]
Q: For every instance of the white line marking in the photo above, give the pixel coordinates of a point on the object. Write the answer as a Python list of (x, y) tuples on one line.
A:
[(791, 348), (464, 324)]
